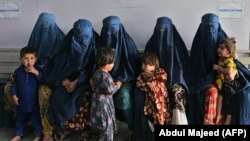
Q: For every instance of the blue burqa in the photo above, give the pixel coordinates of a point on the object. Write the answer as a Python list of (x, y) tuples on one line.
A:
[(168, 45), (171, 50), (115, 36), (75, 61), (125, 68), (202, 57), (46, 38), (241, 99)]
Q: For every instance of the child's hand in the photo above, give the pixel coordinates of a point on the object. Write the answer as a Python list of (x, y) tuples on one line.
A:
[(65, 83), (231, 75), (15, 99), (151, 84), (33, 70), (216, 67), (118, 83), (72, 86)]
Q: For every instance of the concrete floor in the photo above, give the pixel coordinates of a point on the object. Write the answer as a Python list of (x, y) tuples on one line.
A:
[(7, 133)]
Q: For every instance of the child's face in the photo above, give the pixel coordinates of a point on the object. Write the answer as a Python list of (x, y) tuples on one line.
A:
[(148, 68), (110, 66), (28, 60), (223, 52)]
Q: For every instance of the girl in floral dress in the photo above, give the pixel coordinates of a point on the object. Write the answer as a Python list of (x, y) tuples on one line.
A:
[(102, 111), (153, 82)]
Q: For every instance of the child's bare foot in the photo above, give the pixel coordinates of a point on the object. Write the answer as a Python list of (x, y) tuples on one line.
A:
[(36, 139), (47, 137), (227, 122), (16, 138)]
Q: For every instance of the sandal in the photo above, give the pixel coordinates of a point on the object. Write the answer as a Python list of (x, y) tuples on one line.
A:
[(130, 137), (61, 135), (84, 136)]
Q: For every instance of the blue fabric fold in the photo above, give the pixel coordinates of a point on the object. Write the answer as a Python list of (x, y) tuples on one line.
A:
[(141, 129), (240, 101)]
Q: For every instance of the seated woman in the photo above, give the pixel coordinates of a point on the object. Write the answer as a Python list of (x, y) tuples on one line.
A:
[(46, 38), (171, 50), (125, 69), (201, 78), (67, 83)]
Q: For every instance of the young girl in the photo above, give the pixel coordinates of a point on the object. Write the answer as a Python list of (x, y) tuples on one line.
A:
[(102, 112), (153, 81), (26, 80), (226, 83)]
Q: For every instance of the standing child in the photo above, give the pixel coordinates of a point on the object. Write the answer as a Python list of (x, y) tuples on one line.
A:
[(102, 112), (26, 80), (225, 82), (153, 81)]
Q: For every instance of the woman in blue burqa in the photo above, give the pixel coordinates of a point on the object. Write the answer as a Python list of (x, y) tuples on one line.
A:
[(171, 50), (203, 90), (46, 38), (202, 87), (125, 68), (68, 75)]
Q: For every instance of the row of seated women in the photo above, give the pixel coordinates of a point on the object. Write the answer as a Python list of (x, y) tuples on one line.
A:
[(70, 58)]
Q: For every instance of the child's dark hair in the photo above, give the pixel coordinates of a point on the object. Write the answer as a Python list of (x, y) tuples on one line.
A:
[(230, 45), (27, 50), (105, 56), (149, 58)]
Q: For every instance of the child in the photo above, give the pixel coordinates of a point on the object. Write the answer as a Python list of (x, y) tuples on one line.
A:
[(102, 112), (26, 80), (153, 81), (225, 82)]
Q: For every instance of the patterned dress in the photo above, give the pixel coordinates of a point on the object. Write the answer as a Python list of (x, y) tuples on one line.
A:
[(102, 111), (227, 63), (157, 101), (211, 96), (177, 98), (79, 122)]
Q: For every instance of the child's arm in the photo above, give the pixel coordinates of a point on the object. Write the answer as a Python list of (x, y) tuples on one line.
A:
[(229, 70), (107, 86), (14, 90), (36, 72), (33, 70), (114, 86), (221, 69), (160, 75)]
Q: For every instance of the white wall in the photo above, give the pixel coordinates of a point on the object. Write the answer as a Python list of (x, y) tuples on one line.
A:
[(137, 16)]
